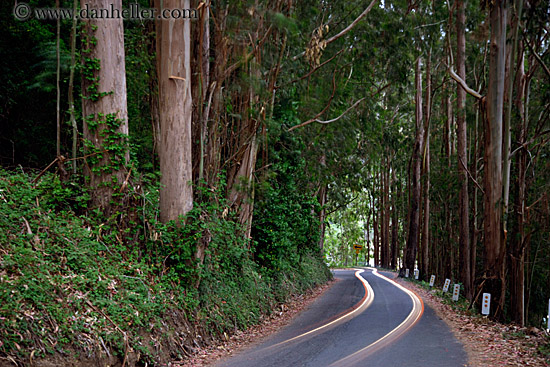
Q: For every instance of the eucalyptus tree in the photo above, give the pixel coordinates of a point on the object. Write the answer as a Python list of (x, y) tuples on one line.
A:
[(104, 104), (494, 249), (174, 73), (462, 157)]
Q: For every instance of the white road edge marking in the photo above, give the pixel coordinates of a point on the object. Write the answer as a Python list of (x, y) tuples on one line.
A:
[(362, 307), (410, 320)]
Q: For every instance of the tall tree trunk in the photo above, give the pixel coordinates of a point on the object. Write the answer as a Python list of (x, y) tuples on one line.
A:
[(322, 197), (104, 106), (519, 241), (475, 223), (515, 21), (414, 219), (58, 88), (175, 109), (375, 239), (461, 127), (448, 127), (426, 221), (425, 239), (367, 237), (494, 250), (396, 193), (203, 64), (70, 93), (385, 217)]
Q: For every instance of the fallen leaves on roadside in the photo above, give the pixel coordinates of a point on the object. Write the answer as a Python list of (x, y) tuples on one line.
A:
[(488, 343), (279, 318)]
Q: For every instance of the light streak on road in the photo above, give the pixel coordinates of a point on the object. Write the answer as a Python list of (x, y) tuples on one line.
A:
[(402, 328)]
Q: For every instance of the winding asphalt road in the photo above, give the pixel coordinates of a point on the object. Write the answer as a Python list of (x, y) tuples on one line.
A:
[(364, 319)]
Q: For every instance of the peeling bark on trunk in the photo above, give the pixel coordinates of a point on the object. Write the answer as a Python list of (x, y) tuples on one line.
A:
[(174, 71), (494, 249)]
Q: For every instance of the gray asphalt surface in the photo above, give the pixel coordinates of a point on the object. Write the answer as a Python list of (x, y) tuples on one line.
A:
[(428, 343)]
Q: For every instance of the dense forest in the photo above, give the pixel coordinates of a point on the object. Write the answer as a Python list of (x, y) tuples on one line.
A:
[(167, 182)]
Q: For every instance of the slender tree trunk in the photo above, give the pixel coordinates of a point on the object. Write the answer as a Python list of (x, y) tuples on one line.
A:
[(322, 197), (104, 106), (448, 127), (386, 213), (494, 251), (175, 109), (396, 193), (515, 21), (425, 239), (519, 241), (71, 88), (204, 83), (426, 222), (412, 240), (475, 226), (462, 139), (375, 240), (367, 237), (58, 87)]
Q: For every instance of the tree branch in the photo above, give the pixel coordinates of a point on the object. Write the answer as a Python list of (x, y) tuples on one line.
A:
[(249, 56), (343, 113), (316, 118), (538, 57), (471, 177), (345, 30), (463, 84), (353, 24), (311, 71), (324, 109)]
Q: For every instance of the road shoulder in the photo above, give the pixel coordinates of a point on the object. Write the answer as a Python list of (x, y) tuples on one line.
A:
[(487, 343)]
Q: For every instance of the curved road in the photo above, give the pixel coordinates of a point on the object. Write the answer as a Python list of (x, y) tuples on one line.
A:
[(364, 319)]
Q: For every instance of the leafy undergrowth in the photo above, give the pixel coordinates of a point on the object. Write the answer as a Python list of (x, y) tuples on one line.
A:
[(77, 288), (488, 343)]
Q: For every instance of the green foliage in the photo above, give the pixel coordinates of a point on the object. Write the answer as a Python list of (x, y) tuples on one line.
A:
[(285, 225), (67, 277)]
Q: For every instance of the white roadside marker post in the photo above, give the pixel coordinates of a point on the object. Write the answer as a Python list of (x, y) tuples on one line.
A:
[(416, 273), (446, 285), (456, 292), (432, 280), (486, 304), (406, 273), (548, 318)]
